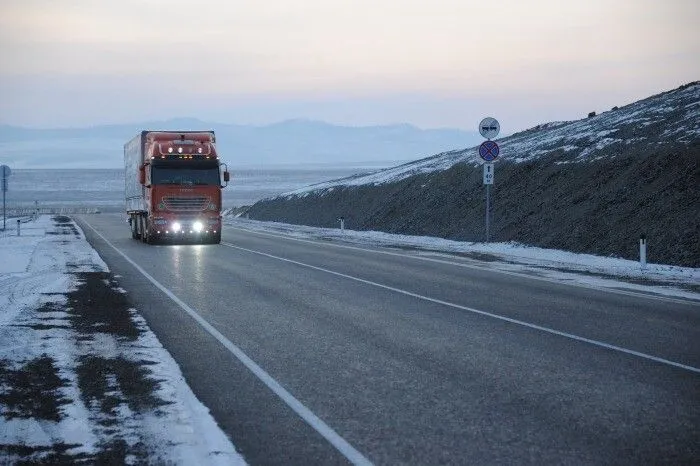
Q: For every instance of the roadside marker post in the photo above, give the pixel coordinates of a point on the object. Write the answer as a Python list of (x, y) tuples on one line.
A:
[(489, 151), (643, 251)]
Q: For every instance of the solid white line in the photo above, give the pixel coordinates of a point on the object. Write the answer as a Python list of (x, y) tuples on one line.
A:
[(305, 413), (475, 311), (475, 267)]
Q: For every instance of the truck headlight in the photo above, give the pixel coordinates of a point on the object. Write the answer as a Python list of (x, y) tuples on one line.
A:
[(197, 226), (176, 227)]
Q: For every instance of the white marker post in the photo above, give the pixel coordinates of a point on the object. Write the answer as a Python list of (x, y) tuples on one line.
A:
[(342, 224), (643, 251)]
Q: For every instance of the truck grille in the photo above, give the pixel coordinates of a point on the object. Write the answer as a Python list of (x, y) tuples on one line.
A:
[(189, 204)]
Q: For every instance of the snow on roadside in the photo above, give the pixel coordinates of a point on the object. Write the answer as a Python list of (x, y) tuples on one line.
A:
[(564, 266), (38, 270)]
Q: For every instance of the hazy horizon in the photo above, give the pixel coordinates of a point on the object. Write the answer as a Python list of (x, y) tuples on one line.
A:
[(428, 63)]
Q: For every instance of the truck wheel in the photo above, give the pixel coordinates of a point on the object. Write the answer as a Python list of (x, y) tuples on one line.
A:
[(134, 230), (216, 238), (148, 238), (142, 229)]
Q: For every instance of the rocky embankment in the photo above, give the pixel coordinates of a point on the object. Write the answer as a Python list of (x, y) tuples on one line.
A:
[(594, 186)]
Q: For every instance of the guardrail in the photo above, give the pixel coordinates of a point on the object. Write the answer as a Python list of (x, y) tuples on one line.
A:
[(29, 211)]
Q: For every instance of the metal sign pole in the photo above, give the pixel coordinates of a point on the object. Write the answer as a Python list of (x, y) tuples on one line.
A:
[(3, 205), (488, 209)]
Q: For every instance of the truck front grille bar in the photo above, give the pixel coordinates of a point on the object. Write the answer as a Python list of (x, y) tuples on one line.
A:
[(186, 204)]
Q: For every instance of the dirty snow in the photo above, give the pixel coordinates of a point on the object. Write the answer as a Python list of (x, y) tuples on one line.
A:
[(38, 267)]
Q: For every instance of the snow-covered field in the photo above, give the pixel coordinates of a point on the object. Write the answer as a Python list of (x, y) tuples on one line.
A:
[(63, 393), (549, 264)]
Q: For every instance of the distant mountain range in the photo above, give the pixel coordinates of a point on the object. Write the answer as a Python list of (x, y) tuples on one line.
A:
[(288, 142)]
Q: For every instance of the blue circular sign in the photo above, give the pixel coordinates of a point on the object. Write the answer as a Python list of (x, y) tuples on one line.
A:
[(488, 150)]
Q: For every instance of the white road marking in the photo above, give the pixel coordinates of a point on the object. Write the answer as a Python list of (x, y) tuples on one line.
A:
[(474, 267), (342, 445), (472, 310)]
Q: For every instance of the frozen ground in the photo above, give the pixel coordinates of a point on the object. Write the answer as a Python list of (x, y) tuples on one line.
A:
[(550, 264), (82, 378)]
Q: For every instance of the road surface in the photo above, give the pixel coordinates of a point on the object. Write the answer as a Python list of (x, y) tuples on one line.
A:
[(312, 352)]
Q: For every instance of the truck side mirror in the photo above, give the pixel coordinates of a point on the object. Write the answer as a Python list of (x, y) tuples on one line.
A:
[(227, 176), (142, 174)]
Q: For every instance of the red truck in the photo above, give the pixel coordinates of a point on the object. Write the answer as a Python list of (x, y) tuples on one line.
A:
[(173, 186)]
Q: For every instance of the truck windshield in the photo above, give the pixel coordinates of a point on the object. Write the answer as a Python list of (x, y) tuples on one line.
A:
[(187, 176)]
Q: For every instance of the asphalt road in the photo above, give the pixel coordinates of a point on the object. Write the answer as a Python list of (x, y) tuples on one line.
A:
[(311, 352)]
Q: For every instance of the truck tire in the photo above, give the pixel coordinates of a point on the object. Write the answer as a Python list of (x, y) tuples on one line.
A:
[(216, 238), (142, 228), (134, 229), (147, 237)]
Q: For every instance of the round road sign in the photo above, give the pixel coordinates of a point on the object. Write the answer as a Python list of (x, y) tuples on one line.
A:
[(489, 128), (488, 150), (5, 171)]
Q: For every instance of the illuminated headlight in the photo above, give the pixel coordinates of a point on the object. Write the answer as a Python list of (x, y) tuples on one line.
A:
[(170, 150), (197, 226), (179, 150), (176, 227), (199, 151)]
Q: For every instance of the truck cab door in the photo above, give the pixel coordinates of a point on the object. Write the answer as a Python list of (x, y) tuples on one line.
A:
[(145, 175)]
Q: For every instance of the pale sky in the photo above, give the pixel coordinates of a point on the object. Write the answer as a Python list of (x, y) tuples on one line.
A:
[(432, 63)]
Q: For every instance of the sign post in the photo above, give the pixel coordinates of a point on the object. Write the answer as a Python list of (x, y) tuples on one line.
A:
[(5, 174), (489, 151), (488, 180)]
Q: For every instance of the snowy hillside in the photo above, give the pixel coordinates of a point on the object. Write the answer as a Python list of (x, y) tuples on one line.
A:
[(593, 185), (670, 117)]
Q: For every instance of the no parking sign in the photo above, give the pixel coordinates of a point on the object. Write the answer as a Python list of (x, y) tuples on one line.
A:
[(489, 150)]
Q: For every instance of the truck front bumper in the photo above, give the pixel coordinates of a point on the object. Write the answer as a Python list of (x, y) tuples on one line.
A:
[(186, 227)]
